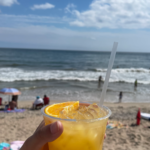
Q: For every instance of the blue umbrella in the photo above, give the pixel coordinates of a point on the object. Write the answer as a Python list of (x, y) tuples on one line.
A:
[(10, 91)]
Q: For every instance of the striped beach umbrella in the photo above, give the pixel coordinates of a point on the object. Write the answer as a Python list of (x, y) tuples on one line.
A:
[(10, 91)]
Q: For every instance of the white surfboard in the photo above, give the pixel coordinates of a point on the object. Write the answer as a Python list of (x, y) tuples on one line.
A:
[(145, 116)]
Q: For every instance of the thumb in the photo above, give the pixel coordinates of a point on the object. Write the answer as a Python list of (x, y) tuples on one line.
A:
[(46, 134), (42, 135), (49, 133)]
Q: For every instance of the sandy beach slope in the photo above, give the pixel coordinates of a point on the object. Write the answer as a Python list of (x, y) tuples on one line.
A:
[(19, 126)]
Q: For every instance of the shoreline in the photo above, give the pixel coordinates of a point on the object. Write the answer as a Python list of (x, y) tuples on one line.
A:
[(27, 102)]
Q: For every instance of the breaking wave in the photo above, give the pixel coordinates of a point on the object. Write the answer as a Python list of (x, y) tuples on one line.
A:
[(117, 75)]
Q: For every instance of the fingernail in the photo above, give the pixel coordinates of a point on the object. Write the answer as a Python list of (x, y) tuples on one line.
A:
[(54, 127)]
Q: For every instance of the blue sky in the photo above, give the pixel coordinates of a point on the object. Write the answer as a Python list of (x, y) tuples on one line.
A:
[(75, 25)]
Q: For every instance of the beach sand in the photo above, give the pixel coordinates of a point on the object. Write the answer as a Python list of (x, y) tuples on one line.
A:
[(19, 126)]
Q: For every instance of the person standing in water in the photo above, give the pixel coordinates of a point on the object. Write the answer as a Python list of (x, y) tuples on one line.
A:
[(99, 81), (120, 97), (135, 83)]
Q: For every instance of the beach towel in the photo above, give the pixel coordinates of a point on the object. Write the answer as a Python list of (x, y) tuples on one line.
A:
[(116, 124), (12, 111), (16, 145)]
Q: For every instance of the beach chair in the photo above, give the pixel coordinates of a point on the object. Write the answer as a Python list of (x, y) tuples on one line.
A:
[(39, 105)]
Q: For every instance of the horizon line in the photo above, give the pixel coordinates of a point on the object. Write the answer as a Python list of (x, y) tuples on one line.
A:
[(46, 49)]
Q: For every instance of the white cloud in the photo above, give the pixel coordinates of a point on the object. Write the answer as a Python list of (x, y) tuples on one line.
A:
[(130, 14), (8, 2), (43, 6), (23, 20), (69, 8)]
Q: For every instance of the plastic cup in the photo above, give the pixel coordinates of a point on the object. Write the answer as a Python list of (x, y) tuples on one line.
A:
[(79, 134)]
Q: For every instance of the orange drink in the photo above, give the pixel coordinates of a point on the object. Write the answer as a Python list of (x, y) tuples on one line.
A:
[(84, 125)]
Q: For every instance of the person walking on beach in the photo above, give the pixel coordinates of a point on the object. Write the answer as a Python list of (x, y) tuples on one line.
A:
[(120, 96), (99, 81)]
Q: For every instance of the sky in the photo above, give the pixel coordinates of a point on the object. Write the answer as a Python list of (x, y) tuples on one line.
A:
[(76, 25)]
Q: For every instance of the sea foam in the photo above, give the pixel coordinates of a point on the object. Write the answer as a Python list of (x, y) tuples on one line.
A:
[(117, 75)]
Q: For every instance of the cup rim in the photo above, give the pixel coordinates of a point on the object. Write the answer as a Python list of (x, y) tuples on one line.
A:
[(74, 120)]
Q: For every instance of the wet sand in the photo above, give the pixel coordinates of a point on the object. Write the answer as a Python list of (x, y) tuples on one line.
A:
[(19, 126)]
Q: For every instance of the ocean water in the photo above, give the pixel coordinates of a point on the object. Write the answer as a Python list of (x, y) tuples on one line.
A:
[(73, 75)]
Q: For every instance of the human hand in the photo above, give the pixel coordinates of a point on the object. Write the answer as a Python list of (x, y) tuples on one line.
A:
[(43, 135)]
